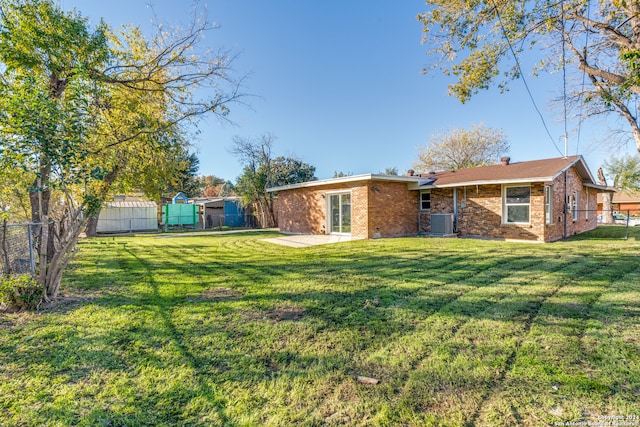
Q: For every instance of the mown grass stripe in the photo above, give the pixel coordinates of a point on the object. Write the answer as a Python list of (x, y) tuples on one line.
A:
[(256, 334), (493, 409)]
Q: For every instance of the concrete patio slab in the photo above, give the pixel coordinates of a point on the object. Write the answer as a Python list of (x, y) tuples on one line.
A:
[(305, 240)]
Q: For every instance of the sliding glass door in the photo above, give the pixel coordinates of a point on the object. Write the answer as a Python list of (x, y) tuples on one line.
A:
[(340, 213)]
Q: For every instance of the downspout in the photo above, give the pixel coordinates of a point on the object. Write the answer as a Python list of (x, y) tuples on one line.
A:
[(566, 192), (455, 210)]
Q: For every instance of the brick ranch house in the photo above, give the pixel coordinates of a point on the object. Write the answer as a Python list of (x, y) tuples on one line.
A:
[(510, 201), (623, 201)]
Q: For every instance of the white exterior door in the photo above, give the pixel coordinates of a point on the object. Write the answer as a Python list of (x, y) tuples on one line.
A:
[(340, 213)]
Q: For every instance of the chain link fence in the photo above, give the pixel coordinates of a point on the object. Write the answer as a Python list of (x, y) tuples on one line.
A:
[(17, 252)]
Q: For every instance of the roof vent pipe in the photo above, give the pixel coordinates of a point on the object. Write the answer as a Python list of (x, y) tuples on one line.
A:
[(505, 160)]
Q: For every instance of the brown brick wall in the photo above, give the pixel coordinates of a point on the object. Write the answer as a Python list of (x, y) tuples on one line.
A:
[(304, 210), (389, 209), (301, 211), (480, 211), (583, 223), (555, 231), (393, 210), (480, 214), (359, 212)]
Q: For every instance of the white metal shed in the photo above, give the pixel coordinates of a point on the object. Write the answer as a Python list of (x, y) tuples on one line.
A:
[(124, 216)]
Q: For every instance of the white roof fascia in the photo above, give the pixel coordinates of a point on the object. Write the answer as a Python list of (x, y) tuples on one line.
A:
[(345, 179), (584, 166), (601, 187), (483, 182)]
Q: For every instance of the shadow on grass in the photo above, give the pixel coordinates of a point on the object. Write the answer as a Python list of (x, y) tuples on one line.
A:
[(610, 232), (398, 316)]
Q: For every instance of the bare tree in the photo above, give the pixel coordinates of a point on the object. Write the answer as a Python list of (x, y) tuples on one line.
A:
[(462, 148), (262, 171), (257, 176)]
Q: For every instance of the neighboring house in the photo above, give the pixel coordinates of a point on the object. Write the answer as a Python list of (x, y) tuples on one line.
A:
[(519, 201), (623, 201), (124, 215)]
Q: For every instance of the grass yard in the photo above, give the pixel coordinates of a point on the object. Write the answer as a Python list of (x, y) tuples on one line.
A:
[(228, 330)]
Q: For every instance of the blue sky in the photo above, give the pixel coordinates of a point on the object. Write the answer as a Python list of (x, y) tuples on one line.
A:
[(340, 85)]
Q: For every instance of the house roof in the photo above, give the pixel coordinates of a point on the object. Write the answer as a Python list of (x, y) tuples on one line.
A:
[(545, 170), (518, 172), (624, 197)]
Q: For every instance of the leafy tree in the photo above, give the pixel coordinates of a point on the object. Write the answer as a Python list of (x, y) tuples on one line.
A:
[(390, 171), (340, 174), (85, 109), (625, 173), (210, 185), (462, 148), (155, 173), (186, 179), (214, 186), (477, 41), (14, 199), (286, 170), (261, 171)]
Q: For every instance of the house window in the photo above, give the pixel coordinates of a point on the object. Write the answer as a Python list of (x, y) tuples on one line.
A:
[(575, 205), (425, 201), (548, 205), (517, 204), (586, 209)]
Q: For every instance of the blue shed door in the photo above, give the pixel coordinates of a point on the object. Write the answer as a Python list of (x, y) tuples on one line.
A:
[(233, 214)]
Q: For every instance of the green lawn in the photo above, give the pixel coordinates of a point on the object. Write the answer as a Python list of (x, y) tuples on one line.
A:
[(230, 330)]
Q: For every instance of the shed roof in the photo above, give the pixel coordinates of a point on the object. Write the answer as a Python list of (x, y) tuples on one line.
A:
[(131, 204)]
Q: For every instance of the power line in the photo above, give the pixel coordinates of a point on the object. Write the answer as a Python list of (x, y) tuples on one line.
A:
[(584, 75), (526, 85), (564, 79)]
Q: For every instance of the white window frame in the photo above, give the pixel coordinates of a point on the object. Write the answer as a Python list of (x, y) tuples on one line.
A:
[(327, 196), (586, 211), (421, 201), (575, 205), (505, 205), (548, 204)]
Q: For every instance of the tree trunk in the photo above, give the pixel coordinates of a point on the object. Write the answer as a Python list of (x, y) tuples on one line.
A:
[(607, 200), (44, 237), (607, 208), (272, 213), (67, 241), (57, 242), (92, 225)]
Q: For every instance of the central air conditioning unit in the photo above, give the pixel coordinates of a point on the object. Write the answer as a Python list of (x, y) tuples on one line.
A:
[(442, 224)]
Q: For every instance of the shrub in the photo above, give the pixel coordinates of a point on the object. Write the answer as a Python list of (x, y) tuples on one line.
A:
[(20, 292)]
